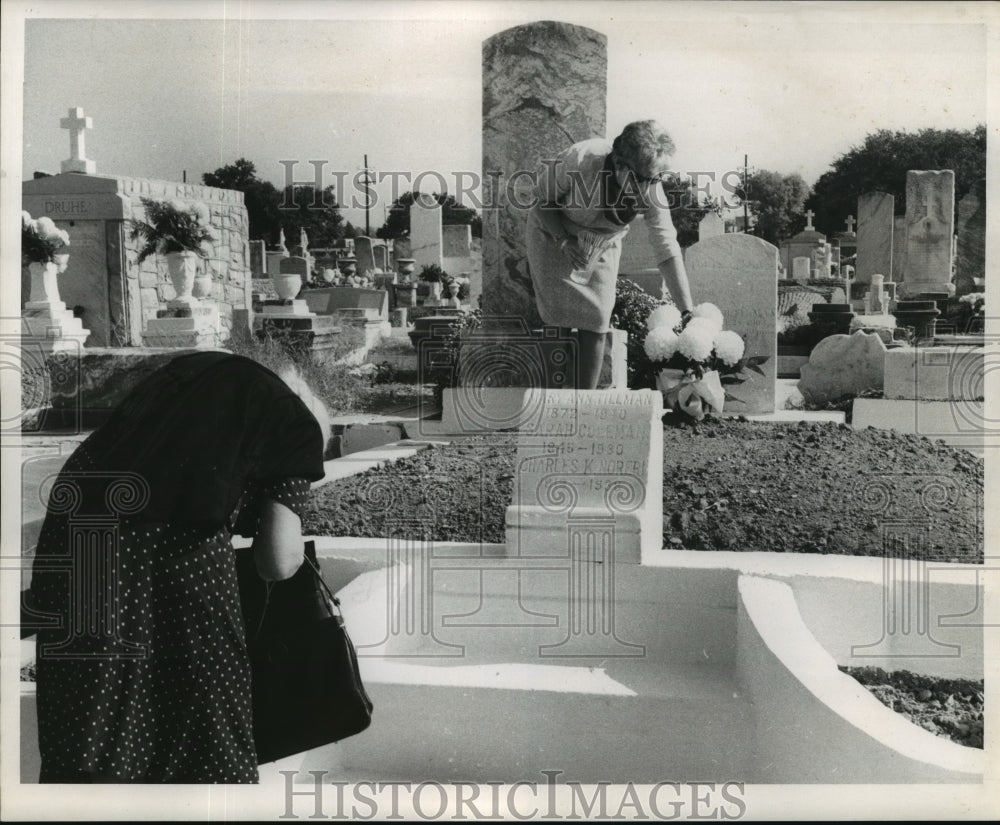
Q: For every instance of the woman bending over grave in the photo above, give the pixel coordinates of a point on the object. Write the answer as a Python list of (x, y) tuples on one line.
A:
[(586, 198), (145, 675)]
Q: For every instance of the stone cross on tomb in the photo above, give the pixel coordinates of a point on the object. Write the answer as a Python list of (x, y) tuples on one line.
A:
[(809, 220), (850, 223), (77, 124)]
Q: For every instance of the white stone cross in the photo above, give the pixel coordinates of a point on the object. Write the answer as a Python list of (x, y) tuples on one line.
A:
[(850, 223), (77, 123), (809, 219)]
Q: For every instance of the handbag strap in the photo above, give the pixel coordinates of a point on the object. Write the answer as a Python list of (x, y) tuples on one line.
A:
[(326, 588), (269, 587)]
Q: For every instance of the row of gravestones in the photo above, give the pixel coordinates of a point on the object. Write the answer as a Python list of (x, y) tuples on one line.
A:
[(926, 249), (430, 243)]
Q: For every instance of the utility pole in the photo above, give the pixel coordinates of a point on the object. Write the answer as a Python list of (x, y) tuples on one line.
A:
[(368, 226), (746, 197)]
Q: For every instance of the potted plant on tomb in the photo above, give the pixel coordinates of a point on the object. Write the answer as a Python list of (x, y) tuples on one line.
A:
[(44, 250), (181, 233), (695, 357), (433, 275)]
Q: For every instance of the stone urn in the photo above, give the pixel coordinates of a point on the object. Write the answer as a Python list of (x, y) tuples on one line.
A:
[(202, 285), (44, 283), (405, 267), (349, 266), (287, 285), (920, 315), (832, 319), (182, 267), (435, 290)]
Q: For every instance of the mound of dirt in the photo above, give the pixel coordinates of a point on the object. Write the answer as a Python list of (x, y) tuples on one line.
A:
[(729, 484), (952, 708)]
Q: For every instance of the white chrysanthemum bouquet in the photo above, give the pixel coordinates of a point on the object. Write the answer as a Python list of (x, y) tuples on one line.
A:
[(695, 358), (174, 226), (41, 240)]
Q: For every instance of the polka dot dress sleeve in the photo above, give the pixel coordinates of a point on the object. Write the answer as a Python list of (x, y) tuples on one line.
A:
[(291, 492)]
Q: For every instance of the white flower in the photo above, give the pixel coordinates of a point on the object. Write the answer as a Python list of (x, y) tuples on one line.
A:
[(46, 227), (972, 297), (710, 312), (177, 205), (660, 344), (26, 219), (705, 325), (729, 347), (664, 316), (64, 237), (695, 342)]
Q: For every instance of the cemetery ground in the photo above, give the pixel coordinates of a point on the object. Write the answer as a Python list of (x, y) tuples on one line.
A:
[(729, 484)]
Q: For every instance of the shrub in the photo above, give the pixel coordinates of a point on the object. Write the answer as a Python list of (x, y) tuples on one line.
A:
[(446, 376), (433, 274), (329, 380), (632, 307)]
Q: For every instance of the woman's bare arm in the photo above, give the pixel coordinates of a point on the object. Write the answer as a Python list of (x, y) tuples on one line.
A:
[(675, 277), (277, 549)]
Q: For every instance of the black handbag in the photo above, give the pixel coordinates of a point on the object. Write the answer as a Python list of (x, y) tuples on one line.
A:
[(306, 685)]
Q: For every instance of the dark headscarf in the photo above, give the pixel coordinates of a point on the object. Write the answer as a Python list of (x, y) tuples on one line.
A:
[(197, 431)]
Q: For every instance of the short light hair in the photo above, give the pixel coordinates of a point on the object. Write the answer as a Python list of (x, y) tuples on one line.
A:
[(298, 384), (644, 146)]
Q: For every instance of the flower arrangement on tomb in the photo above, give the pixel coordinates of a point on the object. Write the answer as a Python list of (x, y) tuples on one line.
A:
[(975, 300), (41, 240), (694, 357), (174, 226), (971, 313), (433, 274)]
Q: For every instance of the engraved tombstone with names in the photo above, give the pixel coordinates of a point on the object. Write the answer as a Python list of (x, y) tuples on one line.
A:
[(588, 477)]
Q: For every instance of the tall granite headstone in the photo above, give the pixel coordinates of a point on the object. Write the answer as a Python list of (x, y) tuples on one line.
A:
[(258, 260), (875, 215), (425, 232), (544, 88), (739, 274), (930, 224), (457, 240), (970, 262)]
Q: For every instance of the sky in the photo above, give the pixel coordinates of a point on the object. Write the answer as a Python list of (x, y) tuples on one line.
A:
[(792, 86)]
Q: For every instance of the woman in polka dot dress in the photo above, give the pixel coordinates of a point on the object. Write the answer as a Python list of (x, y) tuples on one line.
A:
[(143, 672)]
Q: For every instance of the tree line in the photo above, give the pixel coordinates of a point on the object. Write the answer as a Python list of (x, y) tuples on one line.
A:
[(778, 201)]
